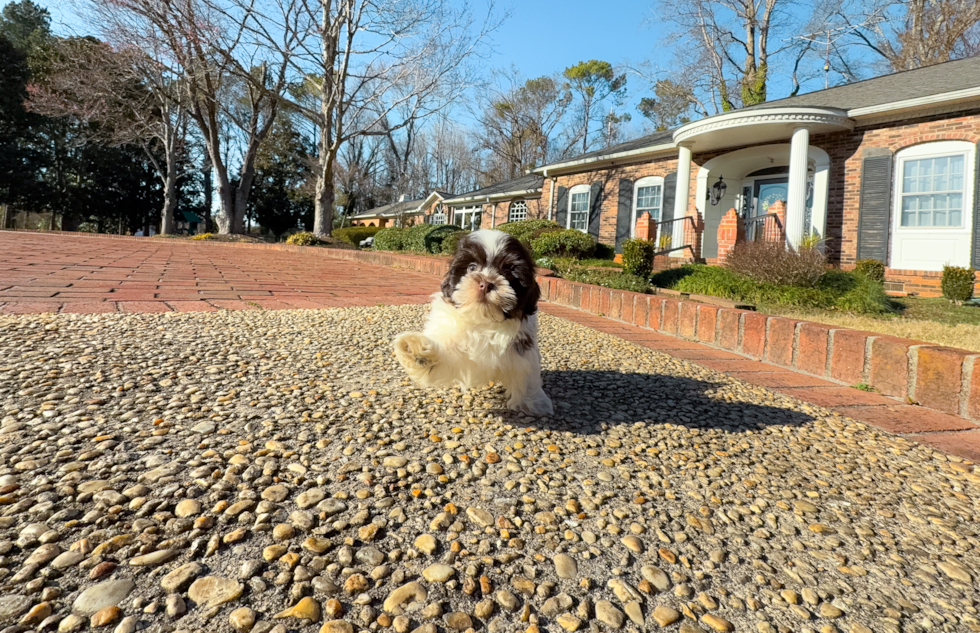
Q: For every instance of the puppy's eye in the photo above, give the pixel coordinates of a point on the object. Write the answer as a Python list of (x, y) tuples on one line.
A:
[(471, 268)]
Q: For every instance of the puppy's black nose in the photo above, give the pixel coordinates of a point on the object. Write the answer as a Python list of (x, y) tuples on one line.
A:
[(486, 287)]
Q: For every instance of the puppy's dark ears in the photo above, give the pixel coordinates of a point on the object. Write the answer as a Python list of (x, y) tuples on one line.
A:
[(528, 301), (455, 272)]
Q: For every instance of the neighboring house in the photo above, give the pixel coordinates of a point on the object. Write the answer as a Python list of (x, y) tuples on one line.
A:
[(509, 201), (885, 168), (406, 212)]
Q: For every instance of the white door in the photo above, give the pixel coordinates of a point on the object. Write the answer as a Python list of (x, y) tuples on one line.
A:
[(932, 207)]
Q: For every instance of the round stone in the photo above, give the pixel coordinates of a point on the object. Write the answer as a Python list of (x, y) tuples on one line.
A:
[(214, 590), (438, 573), (242, 619), (565, 566), (104, 594)]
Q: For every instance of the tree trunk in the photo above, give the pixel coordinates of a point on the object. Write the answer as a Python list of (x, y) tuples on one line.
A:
[(323, 201), (208, 194), (169, 199), (241, 196)]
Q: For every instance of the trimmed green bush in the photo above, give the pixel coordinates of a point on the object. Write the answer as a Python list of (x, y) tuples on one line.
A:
[(417, 237), (303, 238), (604, 251), (451, 242), (871, 269), (354, 235), (564, 243), (835, 290), (524, 230), (433, 239), (608, 279), (957, 283), (390, 239), (638, 257)]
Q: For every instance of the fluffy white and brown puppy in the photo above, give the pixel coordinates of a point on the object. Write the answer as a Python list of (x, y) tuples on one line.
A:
[(483, 325)]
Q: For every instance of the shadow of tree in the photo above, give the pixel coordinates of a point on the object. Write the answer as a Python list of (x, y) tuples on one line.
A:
[(591, 401)]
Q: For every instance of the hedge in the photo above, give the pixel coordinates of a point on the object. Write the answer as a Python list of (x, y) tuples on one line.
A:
[(303, 238), (638, 257), (354, 235), (524, 230), (390, 239), (564, 243)]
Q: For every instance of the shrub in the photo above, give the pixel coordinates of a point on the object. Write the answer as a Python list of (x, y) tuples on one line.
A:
[(607, 279), (773, 263), (451, 242), (564, 243), (303, 238), (417, 237), (355, 234), (390, 239), (604, 251), (871, 269), (433, 239), (203, 236), (638, 257), (957, 283), (528, 230), (866, 297)]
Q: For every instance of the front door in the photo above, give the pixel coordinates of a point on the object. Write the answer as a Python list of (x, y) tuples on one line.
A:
[(767, 192)]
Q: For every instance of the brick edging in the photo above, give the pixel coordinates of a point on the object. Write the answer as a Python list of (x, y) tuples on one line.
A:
[(945, 379)]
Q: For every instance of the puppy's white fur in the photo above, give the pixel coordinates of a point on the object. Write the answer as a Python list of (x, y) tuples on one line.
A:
[(468, 342)]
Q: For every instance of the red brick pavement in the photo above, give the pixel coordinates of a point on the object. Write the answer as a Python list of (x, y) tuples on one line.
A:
[(80, 274), (63, 273)]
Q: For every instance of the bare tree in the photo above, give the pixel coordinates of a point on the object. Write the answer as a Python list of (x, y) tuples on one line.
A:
[(728, 46), (229, 80), (125, 98), (908, 34), (371, 67)]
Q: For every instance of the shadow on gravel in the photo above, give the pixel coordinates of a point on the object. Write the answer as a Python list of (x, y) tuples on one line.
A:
[(586, 400)]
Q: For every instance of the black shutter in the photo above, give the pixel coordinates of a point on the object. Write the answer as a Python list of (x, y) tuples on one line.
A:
[(875, 208), (595, 209), (670, 188), (624, 213), (976, 209), (561, 213)]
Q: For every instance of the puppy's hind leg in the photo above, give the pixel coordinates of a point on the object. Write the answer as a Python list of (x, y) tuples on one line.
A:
[(525, 391)]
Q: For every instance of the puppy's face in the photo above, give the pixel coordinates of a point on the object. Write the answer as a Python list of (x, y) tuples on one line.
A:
[(492, 278)]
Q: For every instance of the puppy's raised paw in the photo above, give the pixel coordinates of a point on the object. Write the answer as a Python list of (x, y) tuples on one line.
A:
[(415, 351)]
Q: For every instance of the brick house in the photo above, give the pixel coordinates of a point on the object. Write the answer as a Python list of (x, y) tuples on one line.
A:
[(885, 168), (508, 201), (406, 212)]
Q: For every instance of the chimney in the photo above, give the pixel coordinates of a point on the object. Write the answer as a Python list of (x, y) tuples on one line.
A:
[(403, 197)]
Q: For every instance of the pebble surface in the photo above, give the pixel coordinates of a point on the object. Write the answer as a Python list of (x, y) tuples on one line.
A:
[(275, 472)]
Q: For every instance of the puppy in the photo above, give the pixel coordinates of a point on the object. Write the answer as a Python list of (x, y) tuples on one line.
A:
[(483, 325)]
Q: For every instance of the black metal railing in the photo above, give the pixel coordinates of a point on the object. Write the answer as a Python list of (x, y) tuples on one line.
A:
[(665, 235), (766, 228)]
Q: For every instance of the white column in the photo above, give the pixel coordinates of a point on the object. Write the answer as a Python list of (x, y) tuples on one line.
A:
[(796, 205), (681, 195)]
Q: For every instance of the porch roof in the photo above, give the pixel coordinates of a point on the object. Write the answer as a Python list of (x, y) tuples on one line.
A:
[(526, 185)]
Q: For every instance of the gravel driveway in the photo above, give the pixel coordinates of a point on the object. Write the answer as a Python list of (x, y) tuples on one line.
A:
[(274, 471)]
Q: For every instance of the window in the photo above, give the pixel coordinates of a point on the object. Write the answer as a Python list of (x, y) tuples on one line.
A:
[(517, 211), (437, 218), (469, 218), (648, 197), (932, 191), (578, 208)]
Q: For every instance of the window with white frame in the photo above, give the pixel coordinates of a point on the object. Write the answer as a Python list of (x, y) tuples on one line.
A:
[(932, 191), (932, 221), (578, 207), (438, 215), (648, 197), (469, 218), (517, 211)]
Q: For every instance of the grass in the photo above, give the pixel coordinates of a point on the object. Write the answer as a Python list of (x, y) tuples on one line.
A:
[(934, 321)]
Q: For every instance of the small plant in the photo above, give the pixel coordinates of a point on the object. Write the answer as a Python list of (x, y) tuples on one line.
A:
[(870, 269), (451, 242), (203, 236), (773, 263), (303, 238), (638, 257), (957, 283), (564, 243), (664, 242), (527, 230), (811, 240), (390, 239), (863, 386), (354, 235)]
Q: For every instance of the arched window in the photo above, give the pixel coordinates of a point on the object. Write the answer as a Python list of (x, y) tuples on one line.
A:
[(648, 197), (517, 211), (578, 208)]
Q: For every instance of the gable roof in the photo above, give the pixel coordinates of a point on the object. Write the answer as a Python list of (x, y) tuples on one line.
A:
[(388, 210), (658, 141), (526, 184), (919, 83)]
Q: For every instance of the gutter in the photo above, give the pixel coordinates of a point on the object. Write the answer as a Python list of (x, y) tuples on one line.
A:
[(918, 102), (609, 159), (455, 202)]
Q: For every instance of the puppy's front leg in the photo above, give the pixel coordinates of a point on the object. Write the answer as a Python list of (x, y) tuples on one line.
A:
[(417, 353)]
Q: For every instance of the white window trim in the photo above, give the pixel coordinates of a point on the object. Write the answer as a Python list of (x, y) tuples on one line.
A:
[(587, 189), (935, 149), (649, 181), (466, 214), (510, 208)]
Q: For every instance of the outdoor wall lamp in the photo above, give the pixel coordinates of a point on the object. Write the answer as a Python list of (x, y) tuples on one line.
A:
[(718, 191)]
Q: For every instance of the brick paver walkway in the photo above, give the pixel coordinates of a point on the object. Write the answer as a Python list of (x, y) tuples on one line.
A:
[(65, 273), (61, 273)]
